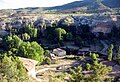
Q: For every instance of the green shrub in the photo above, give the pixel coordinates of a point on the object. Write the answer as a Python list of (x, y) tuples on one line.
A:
[(117, 58), (110, 79), (31, 31), (12, 70), (48, 61), (88, 67), (110, 52), (81, 57), (99, 71), (46, 52), (31, 50)]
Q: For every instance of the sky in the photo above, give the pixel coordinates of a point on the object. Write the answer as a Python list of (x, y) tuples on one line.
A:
[(13, 4)]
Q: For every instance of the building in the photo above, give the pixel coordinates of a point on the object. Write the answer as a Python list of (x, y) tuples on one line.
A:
[(59, 52), (29, 65), (52, 57)]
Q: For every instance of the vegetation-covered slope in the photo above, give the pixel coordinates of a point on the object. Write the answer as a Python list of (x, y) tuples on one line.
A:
[(89, 5), (112, 3), (85, 5)]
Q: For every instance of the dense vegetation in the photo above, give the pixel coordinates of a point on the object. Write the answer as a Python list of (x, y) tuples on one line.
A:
[(31, 50), (12, 69), (30, 42)]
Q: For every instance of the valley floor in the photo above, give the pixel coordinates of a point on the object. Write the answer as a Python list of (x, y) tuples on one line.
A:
[(64, 63)]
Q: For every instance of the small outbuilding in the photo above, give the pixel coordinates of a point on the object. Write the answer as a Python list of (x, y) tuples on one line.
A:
[(59, 52)]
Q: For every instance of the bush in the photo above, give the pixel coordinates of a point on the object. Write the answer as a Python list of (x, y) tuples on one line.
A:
[(88, 67), (110, 52), (94, 58), (12, 70), (31, 50), (31, 31), (99, 71), (110, 79), (46, 52), (77, 75), (48, 60), (25, 36), (117, 58), (12, 41)]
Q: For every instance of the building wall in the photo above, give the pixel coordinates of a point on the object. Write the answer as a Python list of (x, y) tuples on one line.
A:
[(63, 53), (32, 73)]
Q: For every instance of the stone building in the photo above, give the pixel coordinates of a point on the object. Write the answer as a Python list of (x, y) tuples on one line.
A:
[(59, 52)]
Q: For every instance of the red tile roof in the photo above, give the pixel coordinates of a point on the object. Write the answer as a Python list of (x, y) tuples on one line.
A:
[(28, 63)]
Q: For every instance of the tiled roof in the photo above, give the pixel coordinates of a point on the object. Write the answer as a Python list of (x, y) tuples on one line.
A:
[(28, 63), (58, 50)]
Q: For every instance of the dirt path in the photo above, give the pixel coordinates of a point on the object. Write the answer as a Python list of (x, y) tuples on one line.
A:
[(42, 70), (62, 63)]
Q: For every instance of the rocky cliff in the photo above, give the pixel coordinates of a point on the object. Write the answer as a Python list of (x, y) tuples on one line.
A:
[(97, 23)]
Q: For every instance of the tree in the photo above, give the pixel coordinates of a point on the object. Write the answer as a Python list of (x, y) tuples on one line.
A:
[(94, 58), (59, 32), (12, 70), (25, 36), (118, 56), (12, 41), (77, 75), (78, 41), (48, 61), (69, 36), (99, 72), (34, 32), (50, 34), (88, 66), (31, 50), (17, 41), (31, 31), (110, 52), (47, 52)]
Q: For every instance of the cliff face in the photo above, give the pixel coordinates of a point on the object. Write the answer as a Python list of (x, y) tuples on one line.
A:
[(104, 27), (97, 23), (116, 20)]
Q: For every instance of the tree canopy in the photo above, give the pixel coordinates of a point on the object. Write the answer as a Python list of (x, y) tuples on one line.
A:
[(31, 31), (12, 41), (31, 50), (12, 70), (59, 32)]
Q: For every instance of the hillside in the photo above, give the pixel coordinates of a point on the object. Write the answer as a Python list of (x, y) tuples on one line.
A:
[(112, 3), (87, 6), (88, 3), (72, 5)]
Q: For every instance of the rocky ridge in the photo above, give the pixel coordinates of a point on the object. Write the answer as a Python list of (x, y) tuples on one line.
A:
[(97, 23)]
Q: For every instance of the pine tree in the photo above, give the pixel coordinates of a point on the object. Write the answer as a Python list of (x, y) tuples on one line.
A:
[(110, 52), (118, 55)]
